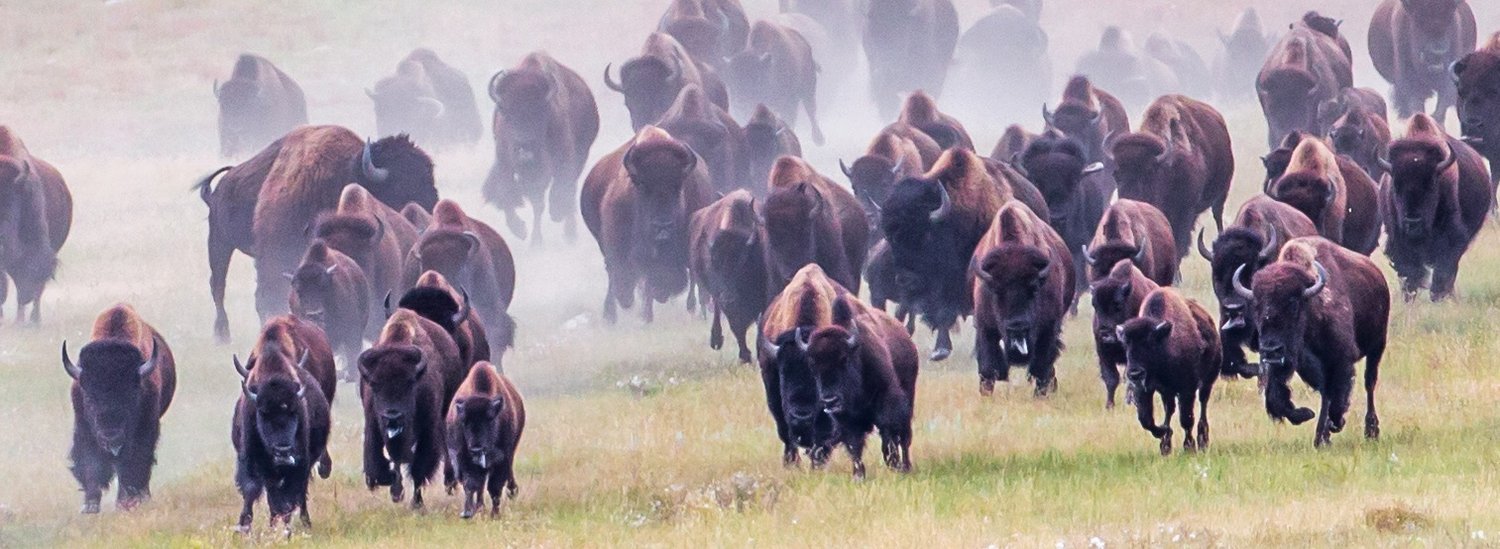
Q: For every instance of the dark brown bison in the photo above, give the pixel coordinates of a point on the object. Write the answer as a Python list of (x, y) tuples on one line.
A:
[(1306, 68), (1361, 135), (1172, 350), (908, 47), (1244, 49), (377, 238), (428, 99), (1334, 192), (1320, 308), (258, 104), (330, 290), (865, 367), (282, 420), (470, 255), (1413, 42), (767, 137), (712, 134), (1087, 114), (651, 81), (728, 264), (776, 69), (636, 201), (811, 219), (435, 299), (803, 307), (710, 30), (1479, 101), (36, 215), (1349, 99), (1134, 231), (407, 381), (932, 224), (263, 206), (1001, 68), (899, 151), (544, 123), (1129, 74), (1434, 201), (1262, 226), (1117, 298), (483, 430), (1023, 286), (920, 111), (1180, 161), (122, 385), (1076, 191), (1194, 78)]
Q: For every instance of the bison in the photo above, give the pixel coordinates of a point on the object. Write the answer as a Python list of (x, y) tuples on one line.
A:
[(1305, 307), (1117, 298), (1132, 76), (1412, 44), (1013, 142), (434, 299), (330, 290), (1361, 135), (1193, 75), (710, 30), (810, 219), (1313, 184), (407, 381), (1023, 286), (899, 151), (1434, 201), (258, 104), (262, 207), (1479, 101), (1138, 232), (636, 201), (1180, 161), (1087, 114), (1172, 350), (1262, 226), (728, 263), (712, 134), (122, 385), (1001, 67), (1239, 63), (484, 428), (651, 81), (36, 215), (471, 255), (920, 111), (1310, 65), (908, 46), (545, 121), (376, 237), (1349, 99), (776, 69), (767, 137), (1076, 191), (803, 307), (428, 99), (1361, 224), (280, 428)]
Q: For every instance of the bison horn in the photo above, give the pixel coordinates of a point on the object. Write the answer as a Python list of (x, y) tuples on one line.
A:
[(1273, 243), (302, 362), (1166, 151), (803, 338), (331, 268), (474, 242), (1046, 115), (845, 168), (437, 106), (301, 389), (1447, 160), (896, 169), (463, 311), (1203, 250), (1239, 287), (249, 393), (1093, 168), (495, 81), (1141, 242), (1384, 160), (150, 364), (1096, 118), (853, 340), (945, 205), (387, 304), (981, 274), (379, 229), (769, 348), (367, 165), (1319, 283), (1044, 271), (72, 369), (421, 363), (610, 82), (240, 367), (1087, 257)]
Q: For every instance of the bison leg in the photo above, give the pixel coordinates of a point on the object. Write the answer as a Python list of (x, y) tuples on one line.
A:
[(772, 383), (1185, 402), (944, 345), (219, 255), (716, 332), (1323, 432), (1338, 391), (810, 103), (92, 469), (1043, 359), (691, 300), (302, 506), (251, 492), (855, 444), (538, 207), (1145, 413), (474, 488), (991, 359), (1109, 372), (1372, 378), (416, 496), (1168, 407), (1444, 274), (1204, 392), (514, 223)]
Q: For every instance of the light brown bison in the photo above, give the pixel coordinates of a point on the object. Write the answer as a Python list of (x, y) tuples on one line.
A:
[(1172, 350), (1180, 161), (264, 206), (544, 123), (1088, 114), (1138, 232), (811, 219), (1413, 42), (376, 237), (258, 104), (803, 307), (775, 69), (1117, 298), (122, 385), (1314, 185), (920, 111), (36, 215), (908, 46), (435, 299), (428, 99), (712, 134), (728, 264), (636, 201), (767, 137), (1023, 285), (1361, 225), (1320, 308), (330, 290), (1479, 101), (710, 30), (470, 255), (483, 430), (651, 81), (1309, 66)]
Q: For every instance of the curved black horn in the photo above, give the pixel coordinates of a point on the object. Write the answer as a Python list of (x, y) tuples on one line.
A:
[(1203, 250), (853, 340), (1448, 160), (72, 369), (1087, 257), (1141, 242), (803, 338), (387, 304), (845, 168), (945, 206), (1273, 243), (980, 273), (464, 309), (150, 364), (495, 80), (240, 368), (367, 165), (610, 82), (474, 242)]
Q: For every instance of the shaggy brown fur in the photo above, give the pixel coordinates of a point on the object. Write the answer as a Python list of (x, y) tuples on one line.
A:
[(1138, 232), (1023, 284), (36, 215), (484, 428)]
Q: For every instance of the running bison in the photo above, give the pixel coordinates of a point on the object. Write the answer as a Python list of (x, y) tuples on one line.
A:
[(651, 81), (1413, 42), (258, 104), (1245, 48), (428, 99), (908, 46), (728, 264), (710, 30), (711, 133), (122, 385), (776, 69), (1077, 192), (1089, 115), (1023, 287), (767, 138), (1117, 298), (331, 291), (1309, 66), (377, 238), (1361, 135), (36, 215), (484, 427), (899, 151), (470, 254), (1332, 191), (810, 219), (804, 306), (436, 300), (1172, 350), (1479, 100), (1138, 232)]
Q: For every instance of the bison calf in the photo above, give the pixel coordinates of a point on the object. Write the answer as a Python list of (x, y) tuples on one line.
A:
[(1117, 298), (1172, 350), (484, 427)]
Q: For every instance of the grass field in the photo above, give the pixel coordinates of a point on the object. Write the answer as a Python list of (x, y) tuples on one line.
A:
[(639, 434)]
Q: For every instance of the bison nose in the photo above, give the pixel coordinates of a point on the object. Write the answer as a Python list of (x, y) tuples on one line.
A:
[(906, 279), (1412, 225), (800, 415), (391, 415), (832, 404)]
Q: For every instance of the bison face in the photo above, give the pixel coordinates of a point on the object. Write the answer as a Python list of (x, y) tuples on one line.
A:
[(929, 259), (391, 374), (1348, 136), (522, 101), (242, 116), (1083, 125), (800, 402), (1478, 77), (1241, 252), (650, 85), (657, 173), (313, 292), (1111, 309), (731, 255), (1308, 192), (1102, 259), (1057, 167), (1016, 276), (110, 374), (1435, 23), (792, 225), (1416, 169), (396, 172), (279, 420), (833, 354), (1145, 340), (1142, 160), (477, 418), (449, 252), (1280, 295), (872, 178), (435, 304), (352, 235)]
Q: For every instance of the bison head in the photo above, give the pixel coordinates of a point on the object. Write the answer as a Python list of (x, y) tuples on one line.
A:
[(1281, 295), (1057, 166), (1279, 158), (733, 253), (1478, 78), (478, 420), (1435, 23), (523, 101), (809, 425), (794, 215), (1238, 251), (280, 417), (396, 172), (658, 171), (1112, 306), (1102, 258), (1416, 168), (1081, 123), (437, 305), (925, 246), (872, 177), (1308, 191), (762, 146), (452, 253), (1146, 341), (406, 103), (109, 374), (1143, 159), (649, 85), (1348, 133), (356, 236), (313, 292), (833, 354), (1017, 275), (391, 374)]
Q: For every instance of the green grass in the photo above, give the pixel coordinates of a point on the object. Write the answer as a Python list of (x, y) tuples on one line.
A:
[(118, 98)]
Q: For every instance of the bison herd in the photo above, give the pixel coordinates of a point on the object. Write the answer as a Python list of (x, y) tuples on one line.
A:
[(361, 264)]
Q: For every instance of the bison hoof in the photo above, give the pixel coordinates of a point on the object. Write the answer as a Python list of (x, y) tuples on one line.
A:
[(716, 342), (986, 387), (789, 458), (1166, 445), (938, 355), (1372, 431), (1300, 416), (90, 508), (397, 493)]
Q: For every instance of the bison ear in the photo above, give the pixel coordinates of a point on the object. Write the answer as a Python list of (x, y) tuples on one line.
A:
[(1162, 330)]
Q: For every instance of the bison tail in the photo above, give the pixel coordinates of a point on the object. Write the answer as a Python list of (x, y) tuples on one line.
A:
[(205, 185)]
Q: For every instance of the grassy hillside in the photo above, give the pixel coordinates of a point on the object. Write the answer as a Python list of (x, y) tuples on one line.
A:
[(639, 434)]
